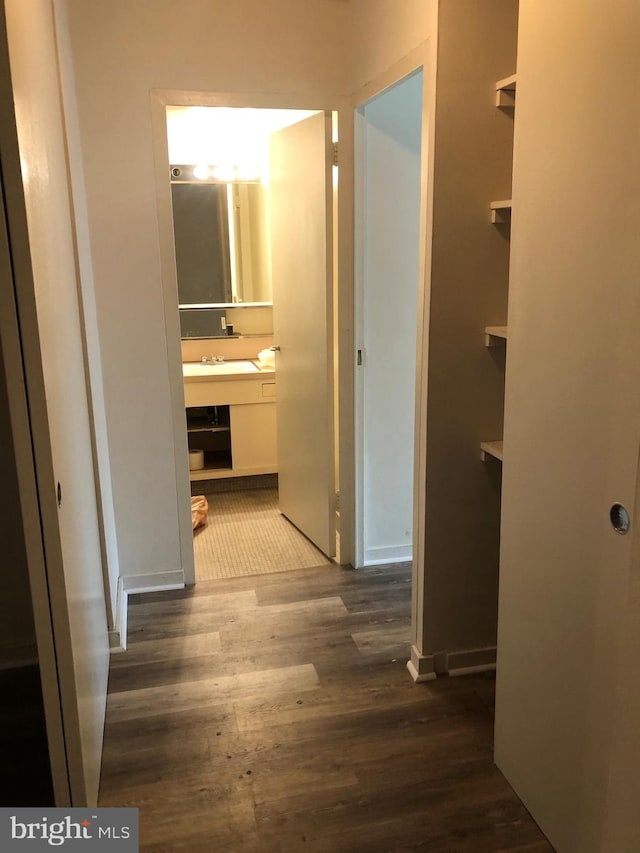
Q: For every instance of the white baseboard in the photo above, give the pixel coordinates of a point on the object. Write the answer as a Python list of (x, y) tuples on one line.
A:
[(117, 642), (471, 661), (417, 676), (387, 554), (421, 666), (153, 582), (118, 636), (130, 584), (465, 662)]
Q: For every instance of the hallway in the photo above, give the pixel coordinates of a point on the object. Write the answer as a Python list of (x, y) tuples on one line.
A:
[(275, 713)]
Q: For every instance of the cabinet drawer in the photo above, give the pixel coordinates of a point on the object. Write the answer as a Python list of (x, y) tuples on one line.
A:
[(225, 393)]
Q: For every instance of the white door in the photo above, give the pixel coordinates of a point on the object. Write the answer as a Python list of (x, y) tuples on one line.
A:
[(40, 225), (301, 228), (24, 537), (568, 681)]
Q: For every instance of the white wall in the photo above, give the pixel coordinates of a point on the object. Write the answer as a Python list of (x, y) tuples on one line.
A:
[(568, 681), (391, 140), (468, 290), (465, 288), (384, 32), (71, 531), (121, 51)]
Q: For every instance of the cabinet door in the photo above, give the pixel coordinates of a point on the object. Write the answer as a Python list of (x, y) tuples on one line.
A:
[(253, 439)]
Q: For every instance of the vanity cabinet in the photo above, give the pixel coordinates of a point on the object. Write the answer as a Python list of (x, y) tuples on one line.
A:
[(233, 420), (253, 439)]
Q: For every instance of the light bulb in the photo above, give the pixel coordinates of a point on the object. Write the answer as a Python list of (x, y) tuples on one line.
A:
[(224, 173), (201, 173), (248, 172)]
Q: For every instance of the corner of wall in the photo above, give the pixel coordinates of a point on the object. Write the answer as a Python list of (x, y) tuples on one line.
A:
[(468, 290)]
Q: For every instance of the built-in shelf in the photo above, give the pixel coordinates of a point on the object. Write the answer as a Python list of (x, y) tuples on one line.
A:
[(210, 474), (491, 448), (208, 429), (208, 419), (500, 211), (217, 463), (506, 92), (494, 334)]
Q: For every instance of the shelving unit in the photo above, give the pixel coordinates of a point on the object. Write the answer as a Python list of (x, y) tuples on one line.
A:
[(506, 92), (209, 429), (494, 335), (500, 211), (214, 469), (491, 448)]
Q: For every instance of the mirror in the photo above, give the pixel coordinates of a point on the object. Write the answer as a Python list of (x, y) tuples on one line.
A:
[(221, 241)]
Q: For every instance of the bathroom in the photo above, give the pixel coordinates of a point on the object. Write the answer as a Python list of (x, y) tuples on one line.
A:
[(224, 219)]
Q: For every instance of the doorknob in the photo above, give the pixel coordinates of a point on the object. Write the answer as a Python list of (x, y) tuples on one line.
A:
[(274, 349)]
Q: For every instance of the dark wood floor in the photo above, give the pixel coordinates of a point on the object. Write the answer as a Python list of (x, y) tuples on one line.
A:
[(275, 713)]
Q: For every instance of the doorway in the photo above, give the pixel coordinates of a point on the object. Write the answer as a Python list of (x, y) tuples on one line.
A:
[(388, 136), (227, 158)]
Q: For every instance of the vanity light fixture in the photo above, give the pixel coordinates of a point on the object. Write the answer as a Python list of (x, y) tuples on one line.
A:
[(223, 173), (201, 172), (248, 173), (219, 173)]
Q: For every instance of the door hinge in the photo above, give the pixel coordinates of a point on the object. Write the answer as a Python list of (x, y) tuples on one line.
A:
[(335, 154)]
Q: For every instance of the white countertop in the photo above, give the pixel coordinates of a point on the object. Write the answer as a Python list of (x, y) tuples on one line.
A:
[(195, 371)]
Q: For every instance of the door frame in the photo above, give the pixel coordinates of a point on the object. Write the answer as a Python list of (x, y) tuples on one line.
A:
[(422, 58), (160, 99)]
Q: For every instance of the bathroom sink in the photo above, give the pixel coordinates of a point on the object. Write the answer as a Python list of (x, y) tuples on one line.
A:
[(222, 368), (267, 359)]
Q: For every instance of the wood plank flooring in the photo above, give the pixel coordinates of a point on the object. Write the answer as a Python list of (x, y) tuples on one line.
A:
[(275, 713)]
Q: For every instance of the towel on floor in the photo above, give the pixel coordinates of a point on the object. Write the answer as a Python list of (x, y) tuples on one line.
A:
[(199, 510)]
